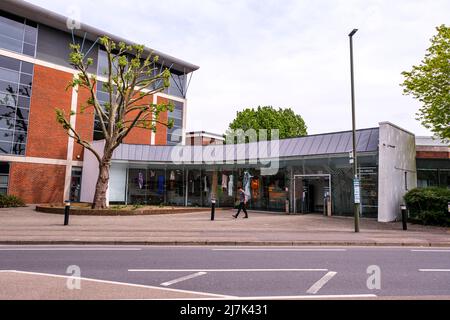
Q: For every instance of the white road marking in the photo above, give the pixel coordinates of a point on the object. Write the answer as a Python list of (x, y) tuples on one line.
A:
[(227, 270), (192, 276), (434, 270), (430, 250), (319, 284), (319, 297), (285, 250), (70, 249), (123, 284)]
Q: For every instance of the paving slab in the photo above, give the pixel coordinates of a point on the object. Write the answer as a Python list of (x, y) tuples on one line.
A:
[(26, 226)]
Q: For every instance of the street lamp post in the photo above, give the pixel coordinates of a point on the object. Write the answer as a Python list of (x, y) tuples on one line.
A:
[(357, 200)]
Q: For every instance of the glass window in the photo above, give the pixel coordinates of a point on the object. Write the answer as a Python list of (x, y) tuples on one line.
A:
[(20, 137), (5, 147), (30, 34), (25, 90), (8, 99), (9, 75), (9, 87), (10, 28), (17, 34), (26, 78), (29, 49), (14, 105), (18, 149), (7, 111), (27, 67), (9, 63), (24, 102), (6, 135), (174, 135), (22, 114)]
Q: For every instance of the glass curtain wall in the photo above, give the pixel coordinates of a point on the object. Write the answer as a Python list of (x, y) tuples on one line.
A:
[(284, 191), (16, 79)]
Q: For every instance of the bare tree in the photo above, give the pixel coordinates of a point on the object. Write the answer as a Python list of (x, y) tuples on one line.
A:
[(131, 77)]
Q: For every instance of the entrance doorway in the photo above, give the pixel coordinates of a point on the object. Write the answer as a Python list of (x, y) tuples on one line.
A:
[(312, 194)]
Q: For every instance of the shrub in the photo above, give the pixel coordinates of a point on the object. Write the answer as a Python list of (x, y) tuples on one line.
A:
[(429, 206), (7, 201)]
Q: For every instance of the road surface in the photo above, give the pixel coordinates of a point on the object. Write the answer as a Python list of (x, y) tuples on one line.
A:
[(39, 272)]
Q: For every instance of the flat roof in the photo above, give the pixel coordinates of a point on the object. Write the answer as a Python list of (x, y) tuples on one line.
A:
[(59, 22), (427, 141)]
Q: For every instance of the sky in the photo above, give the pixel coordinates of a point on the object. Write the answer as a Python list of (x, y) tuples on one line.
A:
[(283, 53)]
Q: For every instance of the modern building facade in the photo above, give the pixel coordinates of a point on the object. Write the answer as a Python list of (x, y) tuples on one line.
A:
[(38, 161), (310, 174)]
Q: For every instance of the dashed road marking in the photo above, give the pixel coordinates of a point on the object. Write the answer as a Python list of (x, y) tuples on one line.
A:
[(284, 250), (192, 276), (435, 251), (322, 282), (227, 270), (434, 270)]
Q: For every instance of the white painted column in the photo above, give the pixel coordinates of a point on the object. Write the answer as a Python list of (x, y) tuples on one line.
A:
[(70, 144), (152, 134)]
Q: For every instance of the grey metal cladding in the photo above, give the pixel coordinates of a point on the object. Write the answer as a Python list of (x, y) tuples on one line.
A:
[(344, 142), (167, 154), (300, 145), (317, 141), (288, 146), (334, 143), (253, 150), (308, 141), (374, 140), (363, 141), (53, 47), (324, 146)]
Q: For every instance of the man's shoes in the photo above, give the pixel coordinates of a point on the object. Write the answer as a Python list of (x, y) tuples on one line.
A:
[(234, 216), (246, 217)]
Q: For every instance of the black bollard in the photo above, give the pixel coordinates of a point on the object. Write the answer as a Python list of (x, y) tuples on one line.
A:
[(213, 209), (66, 213), (404, 217)]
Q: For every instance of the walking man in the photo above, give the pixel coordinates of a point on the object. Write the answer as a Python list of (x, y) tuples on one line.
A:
[(242, 204)]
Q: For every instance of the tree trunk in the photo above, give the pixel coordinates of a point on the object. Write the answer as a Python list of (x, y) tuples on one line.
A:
[(102, 185)]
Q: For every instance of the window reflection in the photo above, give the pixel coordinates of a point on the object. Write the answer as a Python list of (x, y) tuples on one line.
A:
[(15, 92)]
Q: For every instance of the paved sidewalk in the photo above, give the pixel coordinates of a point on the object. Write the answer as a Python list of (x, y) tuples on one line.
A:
[(26, 226)]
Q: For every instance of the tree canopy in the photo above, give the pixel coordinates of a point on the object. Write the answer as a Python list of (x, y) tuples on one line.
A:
[(429, 82), (286, 121), (132, 77)]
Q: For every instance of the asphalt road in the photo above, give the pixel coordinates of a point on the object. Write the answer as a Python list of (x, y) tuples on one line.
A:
[(243, 272)]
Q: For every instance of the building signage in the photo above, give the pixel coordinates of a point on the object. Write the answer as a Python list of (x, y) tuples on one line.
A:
[(357, 187)]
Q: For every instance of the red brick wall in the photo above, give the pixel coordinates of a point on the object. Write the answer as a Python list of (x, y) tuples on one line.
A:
[(37, 183), (433, 155), (46, 138), (161, 130), (84, 124), (139, 135)]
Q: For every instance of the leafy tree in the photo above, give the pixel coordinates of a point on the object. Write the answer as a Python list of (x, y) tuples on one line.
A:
[(286, 121), (429, 82), (131, 78)]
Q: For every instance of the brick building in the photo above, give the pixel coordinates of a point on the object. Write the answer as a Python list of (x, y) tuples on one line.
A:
[(38, 161)]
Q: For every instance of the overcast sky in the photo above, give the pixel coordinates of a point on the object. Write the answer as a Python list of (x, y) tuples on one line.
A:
[(285, 53)]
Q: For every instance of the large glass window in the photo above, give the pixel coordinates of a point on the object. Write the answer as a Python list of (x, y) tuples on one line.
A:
[(16, 79), (175, 134), (103, 99), (18, 34)]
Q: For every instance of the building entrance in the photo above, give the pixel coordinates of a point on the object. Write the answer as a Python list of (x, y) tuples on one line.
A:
[(312, 194)]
